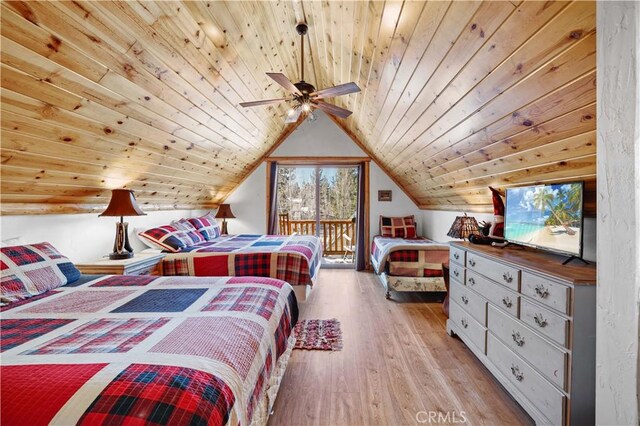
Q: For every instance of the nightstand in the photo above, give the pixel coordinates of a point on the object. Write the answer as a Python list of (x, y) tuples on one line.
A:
[(139, 264)]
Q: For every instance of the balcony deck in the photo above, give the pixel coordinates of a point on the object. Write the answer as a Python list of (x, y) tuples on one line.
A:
[(338, 236)]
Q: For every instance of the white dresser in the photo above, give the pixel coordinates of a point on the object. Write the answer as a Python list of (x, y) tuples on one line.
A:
[(532, 322)]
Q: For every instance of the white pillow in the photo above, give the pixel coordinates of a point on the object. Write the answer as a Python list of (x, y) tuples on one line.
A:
[(15, 241)]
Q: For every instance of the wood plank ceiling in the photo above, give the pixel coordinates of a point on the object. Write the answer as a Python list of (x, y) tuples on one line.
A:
[(144, 95)]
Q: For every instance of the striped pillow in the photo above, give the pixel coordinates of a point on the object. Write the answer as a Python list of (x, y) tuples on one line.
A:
[(166, 237), (30, 270), (398, 227), (207, 225)]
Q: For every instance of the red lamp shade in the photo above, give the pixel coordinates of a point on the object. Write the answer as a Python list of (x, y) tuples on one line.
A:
[(123, 203), (224, 212)]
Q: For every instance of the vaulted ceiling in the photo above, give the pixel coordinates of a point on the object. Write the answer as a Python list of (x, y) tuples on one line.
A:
[(455, 96)]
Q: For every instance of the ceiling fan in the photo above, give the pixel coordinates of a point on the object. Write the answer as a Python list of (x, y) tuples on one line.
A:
[(304, 95)]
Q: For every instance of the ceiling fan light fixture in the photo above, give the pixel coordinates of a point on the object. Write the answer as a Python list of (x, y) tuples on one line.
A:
[(304, 94)]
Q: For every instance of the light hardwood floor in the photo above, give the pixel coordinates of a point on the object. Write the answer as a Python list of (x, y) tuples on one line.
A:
[(397, 361)]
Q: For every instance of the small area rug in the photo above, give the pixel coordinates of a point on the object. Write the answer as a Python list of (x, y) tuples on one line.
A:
[(315, 334)]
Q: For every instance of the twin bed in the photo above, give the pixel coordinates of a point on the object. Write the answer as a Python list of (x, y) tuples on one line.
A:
[(405, 262), (138, 349)]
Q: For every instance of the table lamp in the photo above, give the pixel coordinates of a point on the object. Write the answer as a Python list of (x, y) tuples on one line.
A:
[(463, 227), (224, 213), (123, 203)]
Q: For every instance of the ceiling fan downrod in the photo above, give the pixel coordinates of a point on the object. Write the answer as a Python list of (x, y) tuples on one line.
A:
[(302, 29)]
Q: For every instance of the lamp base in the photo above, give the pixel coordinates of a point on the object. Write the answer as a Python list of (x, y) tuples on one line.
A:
[(224, 231), (120, 256), (121, 247)]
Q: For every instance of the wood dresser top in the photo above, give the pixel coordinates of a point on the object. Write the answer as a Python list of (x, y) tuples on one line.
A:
[(537, 261)]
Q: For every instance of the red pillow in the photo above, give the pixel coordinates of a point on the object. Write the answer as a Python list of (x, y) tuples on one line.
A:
[(398, 227), (206, 225), (30, 270), (192, 233), (167, 238)]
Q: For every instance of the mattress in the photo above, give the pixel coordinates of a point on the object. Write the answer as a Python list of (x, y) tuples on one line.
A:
[(295, 259), (142, 349)]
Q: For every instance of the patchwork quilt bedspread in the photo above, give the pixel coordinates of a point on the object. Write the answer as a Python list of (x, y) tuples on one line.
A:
[(408, 257), (146, 350), (295, 259)]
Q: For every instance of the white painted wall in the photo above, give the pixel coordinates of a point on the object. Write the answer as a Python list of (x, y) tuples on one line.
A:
[(618, 92), (436, 224), (321, 138), (83, 237), (249, 204)]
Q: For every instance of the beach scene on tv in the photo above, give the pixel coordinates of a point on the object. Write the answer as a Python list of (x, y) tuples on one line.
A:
[(545, 216)]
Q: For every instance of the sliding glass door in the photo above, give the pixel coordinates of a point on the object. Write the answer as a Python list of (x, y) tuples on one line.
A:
[(321, 201)]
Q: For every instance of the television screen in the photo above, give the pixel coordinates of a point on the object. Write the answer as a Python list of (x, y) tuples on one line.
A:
[(546, 217)]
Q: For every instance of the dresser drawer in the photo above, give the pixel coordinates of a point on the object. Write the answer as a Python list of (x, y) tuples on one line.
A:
[(473, 332), (456, 272), (546, 398), (499, 272), (475, 305), (545, 321), (548, 359), (545, 291), (457, 255), (499, 295)]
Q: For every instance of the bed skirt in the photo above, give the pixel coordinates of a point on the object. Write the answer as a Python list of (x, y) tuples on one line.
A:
[(264, 406)]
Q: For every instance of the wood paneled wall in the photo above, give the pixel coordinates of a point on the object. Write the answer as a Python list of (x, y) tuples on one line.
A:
[(144, 95)]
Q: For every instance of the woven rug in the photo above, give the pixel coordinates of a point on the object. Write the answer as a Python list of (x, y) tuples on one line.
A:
[(322, 335)]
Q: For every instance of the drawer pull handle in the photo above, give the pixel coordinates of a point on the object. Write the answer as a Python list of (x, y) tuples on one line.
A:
[(472, 262), (507, 302), (539, 319), (464, 323), (507, 277), (517, 338), (456, 256), (465, 300), (541, 291), (472, 281), (515, 370), (456, 272)]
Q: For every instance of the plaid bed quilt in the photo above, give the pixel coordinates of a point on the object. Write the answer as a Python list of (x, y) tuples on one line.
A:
[(408, 257), (165, 350), (295, 259)]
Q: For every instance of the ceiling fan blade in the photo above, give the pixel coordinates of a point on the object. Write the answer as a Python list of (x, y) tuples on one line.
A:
[(330, 92), (331, 109), (283, 81), (292, 118), (263, 102)]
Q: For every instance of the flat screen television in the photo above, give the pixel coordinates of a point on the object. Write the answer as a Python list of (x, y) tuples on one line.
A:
[(547, 217)]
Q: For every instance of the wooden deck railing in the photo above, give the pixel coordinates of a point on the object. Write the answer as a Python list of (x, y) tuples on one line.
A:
[(332, 233)]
